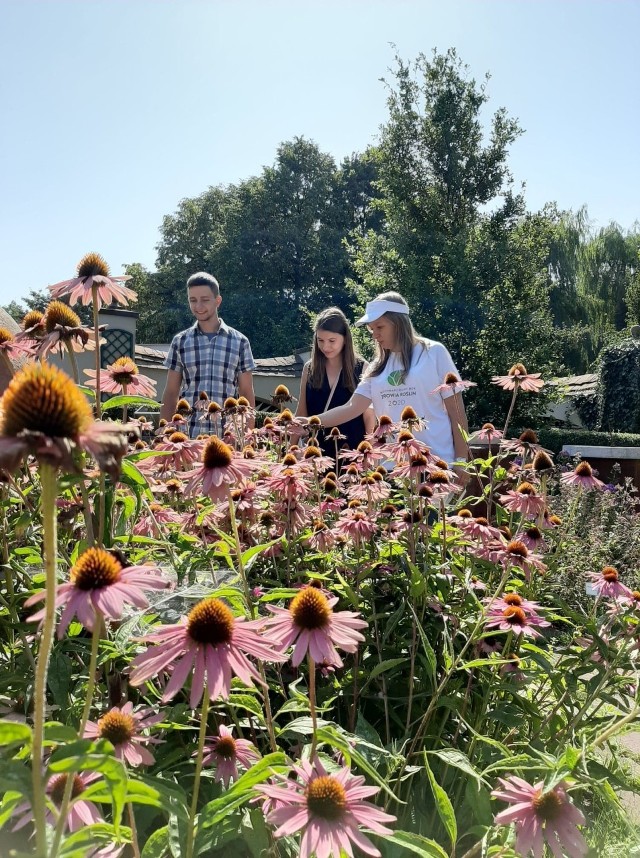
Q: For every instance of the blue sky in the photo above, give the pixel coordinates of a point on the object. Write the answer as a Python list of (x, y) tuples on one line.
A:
[(115, 111)]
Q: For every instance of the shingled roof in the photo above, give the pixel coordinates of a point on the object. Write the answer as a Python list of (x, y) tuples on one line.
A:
[(291, 365)]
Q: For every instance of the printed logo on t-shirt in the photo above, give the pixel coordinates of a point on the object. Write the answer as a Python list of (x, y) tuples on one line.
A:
[(395, 378)]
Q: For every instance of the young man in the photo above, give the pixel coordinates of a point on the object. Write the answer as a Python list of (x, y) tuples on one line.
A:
[(209, 356)]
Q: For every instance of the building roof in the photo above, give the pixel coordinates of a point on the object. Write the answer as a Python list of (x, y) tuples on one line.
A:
[(153, 355), (577, 385)]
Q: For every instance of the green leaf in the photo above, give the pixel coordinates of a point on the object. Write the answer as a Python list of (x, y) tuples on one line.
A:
[(383, 666), (417, 844), (129, 400), (12, 732), (130, 475), (458, 760), (337, 740), (81, 843), (157, 846), (443, 805), (15, 776)]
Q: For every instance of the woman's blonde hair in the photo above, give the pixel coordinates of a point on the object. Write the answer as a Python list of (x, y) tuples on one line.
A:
[(406, 339), (334, 321)]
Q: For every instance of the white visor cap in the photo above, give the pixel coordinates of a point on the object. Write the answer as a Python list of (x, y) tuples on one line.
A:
[(375, 309)]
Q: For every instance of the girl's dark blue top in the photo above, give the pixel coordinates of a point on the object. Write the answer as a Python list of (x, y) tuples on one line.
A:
[(316, 402)]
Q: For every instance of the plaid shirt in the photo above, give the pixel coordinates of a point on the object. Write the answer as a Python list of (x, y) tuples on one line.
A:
[(210, 364)]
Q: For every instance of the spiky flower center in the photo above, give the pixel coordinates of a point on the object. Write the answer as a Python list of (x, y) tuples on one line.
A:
[(542, 462), (329, 485), (514, 615), (548, 805), (216, 453), (41, 398), (123, 370), (32, 318), (419, 461), (57, 788), (178, 438), (326, 798), (226, 747), (440, 477), (533, 532), (385, 420), (526, 489), (451, 378), (517, 369), (481, 520), (210, 622), (312, 453), (517, 549), (408, 414), (528, 437), (609, 573), (513, 599), (92, 264), (173, 485), (117, 727), (286, 416), (405, 435), (183, 406), (425, 491), (584, 469), (465, 513), (5, 335), (60, 314), (214, 408), (488, 427), (282, 391), (315, 421), (95, 569), (310, 609)]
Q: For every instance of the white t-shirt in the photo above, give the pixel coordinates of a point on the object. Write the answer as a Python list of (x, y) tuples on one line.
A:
[(429, 365)]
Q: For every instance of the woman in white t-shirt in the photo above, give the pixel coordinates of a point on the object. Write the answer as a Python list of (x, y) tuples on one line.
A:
[(405, 372)]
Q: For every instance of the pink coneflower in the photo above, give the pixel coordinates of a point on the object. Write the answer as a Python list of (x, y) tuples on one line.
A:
[(607, 583), (179, 452), (582, 476), (147, 525), (311, 624), (330, 810), (210, 645), (384, 429), (369, 489), (94, 271), (62, 329), (16, 347), (366, 456), (223, 754), (478, 528), (357, 525), (294, 513), (415, 467), (99, 583), (123, 728), (288, 482), (221, 468), (524, 499), (541, 816), (516, 619), (488, 433), (531, 537), (321, 539), (452, 384), (123, 376), (406, 447), (45, 413), (520, 378), (525, 445), (80, 813)]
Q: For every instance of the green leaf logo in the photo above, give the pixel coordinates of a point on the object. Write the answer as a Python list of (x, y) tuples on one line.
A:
[(395, 378)]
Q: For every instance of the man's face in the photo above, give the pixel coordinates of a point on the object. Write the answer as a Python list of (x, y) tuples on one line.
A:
[(203, 303)]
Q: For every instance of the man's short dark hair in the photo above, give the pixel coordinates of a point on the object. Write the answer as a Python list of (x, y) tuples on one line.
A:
[(201, 278)]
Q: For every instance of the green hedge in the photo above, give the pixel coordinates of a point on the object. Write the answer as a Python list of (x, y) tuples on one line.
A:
[(555, 439)]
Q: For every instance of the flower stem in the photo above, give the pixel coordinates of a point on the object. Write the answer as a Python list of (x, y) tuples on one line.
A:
[(50, 533), (312, 705), (196, 783), (96, 327), (91, 684), (513, 402), (73, 362)]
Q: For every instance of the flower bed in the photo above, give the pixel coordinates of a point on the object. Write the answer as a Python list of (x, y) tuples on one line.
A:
[(343, 657)]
